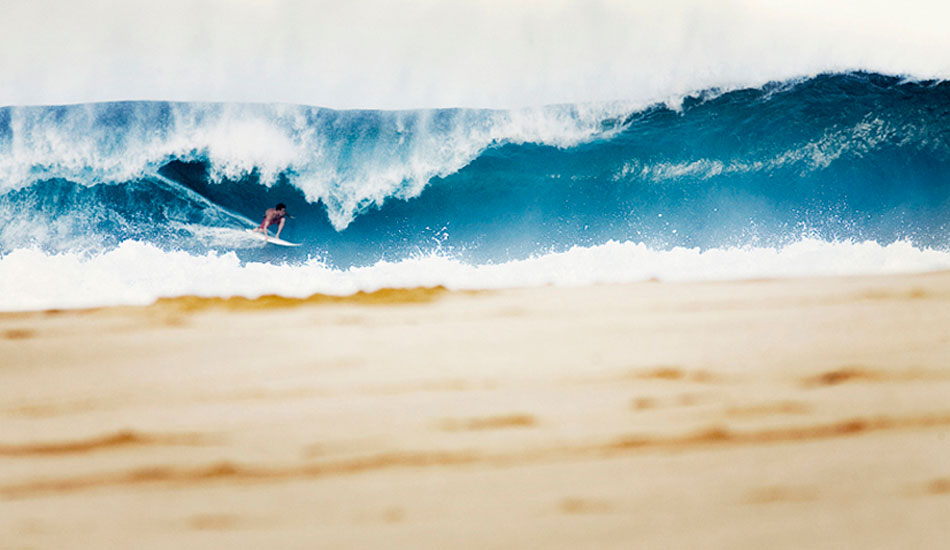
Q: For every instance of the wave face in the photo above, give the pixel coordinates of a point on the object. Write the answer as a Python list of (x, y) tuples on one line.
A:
[(836, 158)]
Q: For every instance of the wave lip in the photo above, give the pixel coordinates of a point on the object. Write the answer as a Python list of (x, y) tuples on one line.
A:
[(349, 160)]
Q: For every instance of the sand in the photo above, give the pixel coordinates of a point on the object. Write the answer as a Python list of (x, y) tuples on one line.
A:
[(804, 413)]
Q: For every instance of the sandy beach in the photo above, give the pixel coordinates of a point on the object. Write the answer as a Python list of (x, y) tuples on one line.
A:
[(800, 413)]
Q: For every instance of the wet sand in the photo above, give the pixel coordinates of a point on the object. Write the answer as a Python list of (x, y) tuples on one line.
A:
[(807, 413)]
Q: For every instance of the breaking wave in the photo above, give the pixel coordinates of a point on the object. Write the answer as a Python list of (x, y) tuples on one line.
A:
[(789, 178)]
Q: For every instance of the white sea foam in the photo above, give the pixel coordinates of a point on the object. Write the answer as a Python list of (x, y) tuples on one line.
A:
[(858, 139), (138, 273)]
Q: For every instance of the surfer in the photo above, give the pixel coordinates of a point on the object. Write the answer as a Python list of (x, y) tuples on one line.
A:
[(273, 216)]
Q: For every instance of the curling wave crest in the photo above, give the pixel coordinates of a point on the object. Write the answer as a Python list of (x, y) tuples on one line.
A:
[(349, 160)]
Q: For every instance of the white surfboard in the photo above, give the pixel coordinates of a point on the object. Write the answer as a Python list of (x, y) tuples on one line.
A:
[(269, 239)]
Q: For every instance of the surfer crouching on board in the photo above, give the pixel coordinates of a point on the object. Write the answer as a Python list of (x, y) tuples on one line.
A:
[(273, 216)]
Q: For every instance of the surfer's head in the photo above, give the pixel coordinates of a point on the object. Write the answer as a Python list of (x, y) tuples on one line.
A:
[(281, 206)]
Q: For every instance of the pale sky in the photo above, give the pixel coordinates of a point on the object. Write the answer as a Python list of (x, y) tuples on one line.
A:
[(448, 53)]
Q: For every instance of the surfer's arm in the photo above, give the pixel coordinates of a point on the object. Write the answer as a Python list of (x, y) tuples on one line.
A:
[(280, 228)]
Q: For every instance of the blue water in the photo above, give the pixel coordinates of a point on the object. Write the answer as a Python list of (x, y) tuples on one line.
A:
[(837, 158)]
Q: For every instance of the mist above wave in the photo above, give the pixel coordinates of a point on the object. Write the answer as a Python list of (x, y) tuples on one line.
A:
[(379, 54)]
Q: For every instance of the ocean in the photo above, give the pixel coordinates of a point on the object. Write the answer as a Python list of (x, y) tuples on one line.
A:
[(124, 202)]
